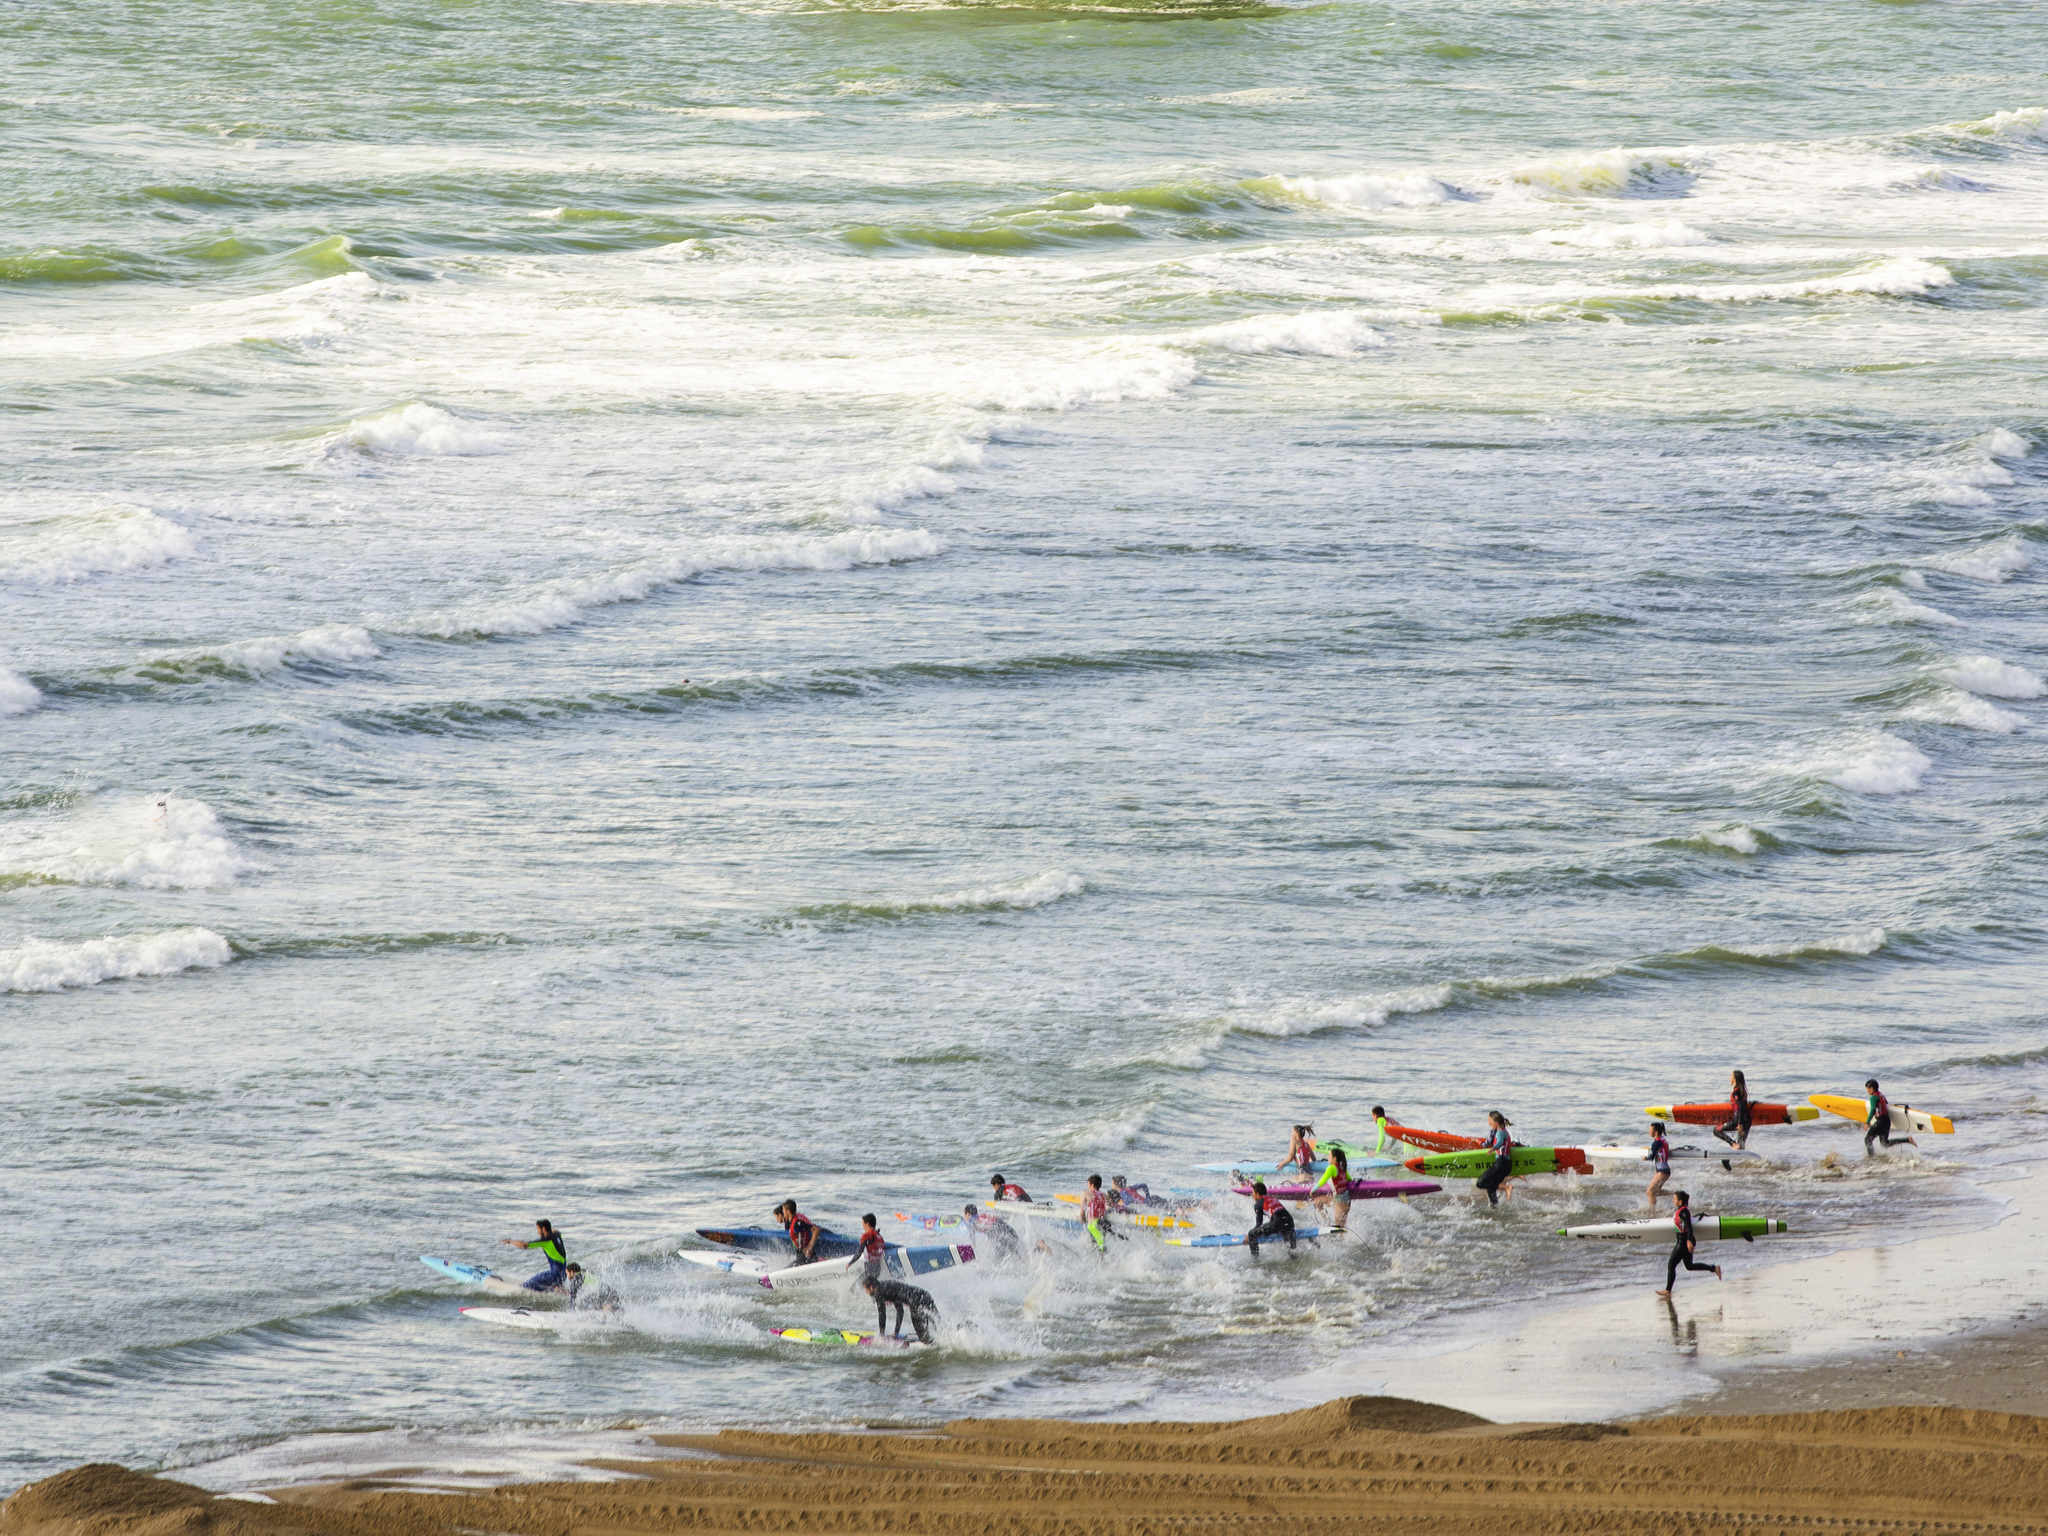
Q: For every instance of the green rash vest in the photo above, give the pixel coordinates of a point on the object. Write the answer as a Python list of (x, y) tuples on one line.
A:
[(551, 1248)]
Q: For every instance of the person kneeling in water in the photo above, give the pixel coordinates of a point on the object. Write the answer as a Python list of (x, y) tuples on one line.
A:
[(1271, 1220), (590, 1298), (553, 1249), (887, 1293)]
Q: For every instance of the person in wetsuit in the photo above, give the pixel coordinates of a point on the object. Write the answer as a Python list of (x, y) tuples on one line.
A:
[(887, 1293), (1095, 1213), (1126, 1196), (1269, 1219), (1386, 1138), (1338, 1177), (1001, 1189), (1682, 1250), (1502, 1146), (1741, 1112), (1002, 1237), (801, 1230), (1877, 1119), (1660, 1161), (1301, 1149), (871, 1250), (552, 1249), (590, 1298)]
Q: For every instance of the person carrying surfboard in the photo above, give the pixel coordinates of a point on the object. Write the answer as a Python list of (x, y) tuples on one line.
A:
[(1338, 1177), (1095, 1213), (887, 1293), (1877, 1119), (801, 1231), (1269, 1219), (1682, 1250), (1386, 1139), (1001, 1189), (1660, 1159), (553, 1249), (1502, 1145), (1740, 1113), (871, 1249)]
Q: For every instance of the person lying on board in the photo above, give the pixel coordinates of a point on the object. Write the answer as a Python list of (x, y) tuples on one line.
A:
[(553, 1249), (1269, 1219), (1002, 1189), (590, 1298), (802, 1231), (1877, 1119), (1125, 1196), (1002, 1237), (924, 1312)]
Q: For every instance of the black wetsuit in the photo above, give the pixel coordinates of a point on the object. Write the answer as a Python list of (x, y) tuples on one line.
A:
[(1001, 1237), (923, 1310), (1269, 1220), (1503, 1166), (1739, 1122), (1681, 1251)]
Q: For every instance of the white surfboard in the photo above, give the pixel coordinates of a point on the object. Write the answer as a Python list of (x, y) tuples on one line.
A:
[(731, 1262), (1678, 1154), (558, 1321), (1705, 1229), (897, 1264)]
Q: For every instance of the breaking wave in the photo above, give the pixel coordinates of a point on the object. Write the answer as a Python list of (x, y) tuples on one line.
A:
[(41, 965), (1996, 679), (166, 843), (54, 550), (1888, 605), (324, 645), (1950, 706), (1870, 763), (1993, 562), (1010, 896), (417, 429), (18, 696)]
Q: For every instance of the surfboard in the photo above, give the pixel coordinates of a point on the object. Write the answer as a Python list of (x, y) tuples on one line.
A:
[(1706, 1229), (1151, 1221), (1905, 1119), (745, 1265), (775, 1240), (1526, 1160), (1361, 1189), (1678, 1154), (897, 1261), (557, 1321), (1260, 1170), (477, 1275), (850, 1337), (931, 1221), (1718, 1114), (1236, 1239), (1433, 1141)]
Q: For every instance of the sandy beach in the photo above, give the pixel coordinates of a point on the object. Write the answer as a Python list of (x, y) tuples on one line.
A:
[(1331, 1468)]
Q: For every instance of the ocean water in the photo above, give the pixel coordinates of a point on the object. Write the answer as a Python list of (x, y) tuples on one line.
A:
[(617, 611)]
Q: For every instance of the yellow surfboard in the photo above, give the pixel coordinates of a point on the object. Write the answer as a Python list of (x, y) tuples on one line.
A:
[(1155, 1221), (1852, 1107)]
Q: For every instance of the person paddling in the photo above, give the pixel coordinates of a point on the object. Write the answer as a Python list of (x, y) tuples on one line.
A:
[(1270, 1219), (871, 1250), (1877, 1119), (1338, 1196), (1660, 1160), (1502, 1146), (552, 1249), (1001, 1189), (1682, 1250), (894, 1293), (1741, 1113)]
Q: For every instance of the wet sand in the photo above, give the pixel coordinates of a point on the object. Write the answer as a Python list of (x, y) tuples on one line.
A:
[(1339, 1467)]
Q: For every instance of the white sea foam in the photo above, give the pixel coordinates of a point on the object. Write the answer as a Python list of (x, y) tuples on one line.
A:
[(1606, 173), (552, 605), (18, 696), (52, 550), (2003, 443), (1993, 562), (1736, 838), (1870, 763), (1950, 706), (333, 644), (1857, 941), (1005, 896), (416, 428), (1996, 679), (1316, 333), (1646, 235), (1967, 476), (2025, 125), (1898, 277), (1103, 375), (41, 965), (1366, 1011), (928, 476), (160, 843), (1888, 605), (1371, 190)]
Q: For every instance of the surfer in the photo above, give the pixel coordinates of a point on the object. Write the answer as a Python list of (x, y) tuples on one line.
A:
[(553, 1249), (1877, 1119), (1095, 1213), (1301, 1149), (1386, 1138), (1002, 1237), (887, 1293), (802, 1231), (1502, 1146), (1125, 1196), (871, 1249), (1002, 1189), (1338, 1177), (1682, 1250), (589, 1298), (1740, 1113), (1269, 1219), (1660, 1160)]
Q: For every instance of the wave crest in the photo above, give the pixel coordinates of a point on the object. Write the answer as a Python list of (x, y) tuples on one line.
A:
[(41, 965), (1008, 896), (159, 844), (18, 696), (52, 551)]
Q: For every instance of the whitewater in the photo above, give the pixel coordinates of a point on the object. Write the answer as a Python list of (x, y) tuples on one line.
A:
[(619, 611)]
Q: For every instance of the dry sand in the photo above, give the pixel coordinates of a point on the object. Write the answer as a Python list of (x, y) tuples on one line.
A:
[(1382, 1463)]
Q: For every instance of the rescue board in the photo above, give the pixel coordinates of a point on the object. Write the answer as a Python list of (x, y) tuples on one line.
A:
[(1904, 1117), (477, 1275), (1705, 1229), (1721, 1113)]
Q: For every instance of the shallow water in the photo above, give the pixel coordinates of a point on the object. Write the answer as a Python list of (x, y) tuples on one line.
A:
[(615, 611)]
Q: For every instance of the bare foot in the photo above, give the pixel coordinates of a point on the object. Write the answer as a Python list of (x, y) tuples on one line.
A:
[(1663, 1293), (1717, 1271)]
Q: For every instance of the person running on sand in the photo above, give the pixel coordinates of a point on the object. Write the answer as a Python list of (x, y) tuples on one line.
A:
[(1682, 1250), (1301, 1150), (1338, 1196), (1502, 1146), (871, 1249), (1095, 1213), (1877, 1119), (894, 1293), (1002, 1189), (803, 1232), (1741, 1113), (553, 1249), (1002, 1237), (1270, 1219), (1660, 1160)]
